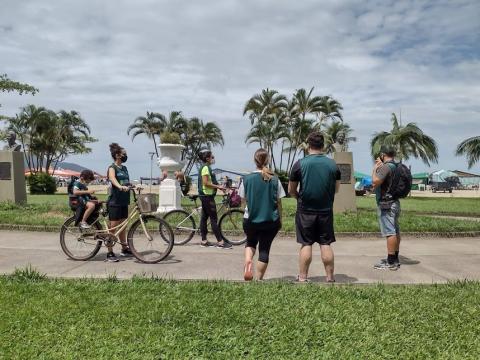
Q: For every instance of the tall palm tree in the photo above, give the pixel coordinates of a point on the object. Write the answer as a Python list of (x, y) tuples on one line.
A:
[(330, 109), (408, 140), (174, 123), (149, 125), (471, 148), (332, 130), (197, 136), (267, 103), (268, 132)]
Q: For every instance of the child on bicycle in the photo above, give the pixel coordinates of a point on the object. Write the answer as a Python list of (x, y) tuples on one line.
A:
[(80, 190)]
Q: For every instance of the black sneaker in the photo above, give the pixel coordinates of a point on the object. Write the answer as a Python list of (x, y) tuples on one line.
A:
[(206, 244), (386, 261), (126, 252), (225, 246), (111, 257), (386, 266)]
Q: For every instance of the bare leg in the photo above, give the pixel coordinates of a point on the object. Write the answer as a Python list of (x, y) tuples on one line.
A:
[(89, 207), (304, 261), (261, 268), (328, 261), (249, 253), (392, 244), (122, 236)]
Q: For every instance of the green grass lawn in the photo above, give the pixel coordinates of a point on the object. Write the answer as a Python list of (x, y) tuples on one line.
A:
[(448, 206), (51, 210), (152, 319)]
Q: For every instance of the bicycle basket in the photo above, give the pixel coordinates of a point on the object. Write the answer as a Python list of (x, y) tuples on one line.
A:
[(147, 203)]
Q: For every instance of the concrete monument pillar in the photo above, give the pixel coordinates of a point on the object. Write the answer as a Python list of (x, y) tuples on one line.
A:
[(345, 198), (12, 177), (170, 194)]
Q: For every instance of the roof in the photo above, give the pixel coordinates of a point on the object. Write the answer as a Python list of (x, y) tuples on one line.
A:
[(465, 174), (423, 175), (359, 175)]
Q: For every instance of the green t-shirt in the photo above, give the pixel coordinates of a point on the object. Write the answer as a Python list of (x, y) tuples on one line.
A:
[(77, 185), (317, 175), (118, 197), (262, 197), (202, 189)]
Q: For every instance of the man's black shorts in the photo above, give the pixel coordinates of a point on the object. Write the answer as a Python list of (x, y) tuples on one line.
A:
[(116, 213), (315, 228)]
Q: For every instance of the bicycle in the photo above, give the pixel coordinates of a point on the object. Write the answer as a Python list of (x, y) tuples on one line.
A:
[(230, 223), (149, 237)]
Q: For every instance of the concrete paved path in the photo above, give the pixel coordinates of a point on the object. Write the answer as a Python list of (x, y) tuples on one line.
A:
[(423, 260)]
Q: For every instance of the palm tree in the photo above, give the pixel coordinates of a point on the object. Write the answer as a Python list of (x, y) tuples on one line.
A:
[(148, 125), (268, 132), (408, 140), (471, 148), (263, 105), (331, 131), (175, 123), (197, 136), (330, 109)]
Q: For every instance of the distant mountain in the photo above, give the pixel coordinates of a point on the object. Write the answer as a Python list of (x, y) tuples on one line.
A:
[(65, 166)]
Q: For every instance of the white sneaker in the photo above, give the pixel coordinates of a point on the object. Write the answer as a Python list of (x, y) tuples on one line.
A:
[(84, 225)]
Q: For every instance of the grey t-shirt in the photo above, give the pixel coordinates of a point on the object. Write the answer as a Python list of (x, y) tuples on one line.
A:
[(384, 172)]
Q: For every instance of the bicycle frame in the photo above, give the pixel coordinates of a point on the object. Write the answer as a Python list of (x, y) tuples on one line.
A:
[(124, 224), (221, 206)]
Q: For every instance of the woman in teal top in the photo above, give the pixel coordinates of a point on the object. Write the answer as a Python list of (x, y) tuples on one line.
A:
[(207, 189), (262, 192), (119, 198)]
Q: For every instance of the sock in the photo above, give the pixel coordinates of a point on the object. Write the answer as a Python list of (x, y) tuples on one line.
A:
[(391, 258)]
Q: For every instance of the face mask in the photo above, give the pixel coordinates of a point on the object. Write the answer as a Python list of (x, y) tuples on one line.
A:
[(124, 158)]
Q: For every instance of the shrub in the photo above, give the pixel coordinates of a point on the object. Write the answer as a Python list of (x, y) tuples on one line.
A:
[(170, 138), (41, 183)]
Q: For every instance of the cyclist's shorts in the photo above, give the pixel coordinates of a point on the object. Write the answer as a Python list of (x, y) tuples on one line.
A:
[(117, 212)]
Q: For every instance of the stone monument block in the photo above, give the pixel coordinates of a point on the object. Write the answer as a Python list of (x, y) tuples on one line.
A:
[(345, 198), (12, 177), (170, 194)]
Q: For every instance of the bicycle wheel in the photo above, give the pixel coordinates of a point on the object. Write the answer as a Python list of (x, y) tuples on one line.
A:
[(231, 227), (152, 244), (78, 245), (182, 224)]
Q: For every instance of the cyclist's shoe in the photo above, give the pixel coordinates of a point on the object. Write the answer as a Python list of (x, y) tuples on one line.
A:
[(85, 226), (386, 266), (206, 244), (111, 257), (225, 246), (126, 252)]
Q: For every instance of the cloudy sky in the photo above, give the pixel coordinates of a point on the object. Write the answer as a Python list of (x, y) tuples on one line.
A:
[(114, 60)]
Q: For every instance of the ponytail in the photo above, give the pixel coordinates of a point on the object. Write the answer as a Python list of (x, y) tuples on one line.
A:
[(261, 160)]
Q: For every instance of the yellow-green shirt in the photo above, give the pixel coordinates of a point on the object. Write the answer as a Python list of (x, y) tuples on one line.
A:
[(207, 190)]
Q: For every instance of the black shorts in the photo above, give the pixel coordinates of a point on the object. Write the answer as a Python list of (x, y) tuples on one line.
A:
[(261, 232), (116, 213), (315, 228)]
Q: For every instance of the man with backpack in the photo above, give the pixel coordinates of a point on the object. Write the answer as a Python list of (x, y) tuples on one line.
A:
[(391, 181)]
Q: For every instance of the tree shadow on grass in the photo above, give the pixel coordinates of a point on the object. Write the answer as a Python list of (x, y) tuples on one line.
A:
[(339, 279)]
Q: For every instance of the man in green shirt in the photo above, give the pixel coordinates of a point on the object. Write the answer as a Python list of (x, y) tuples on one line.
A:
[(319, 180)]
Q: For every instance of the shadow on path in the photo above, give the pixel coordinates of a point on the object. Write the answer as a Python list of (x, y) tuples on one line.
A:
[(339, 278)]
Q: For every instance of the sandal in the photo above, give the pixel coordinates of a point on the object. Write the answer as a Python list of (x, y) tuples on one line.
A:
[(301, 281), (247, 272)]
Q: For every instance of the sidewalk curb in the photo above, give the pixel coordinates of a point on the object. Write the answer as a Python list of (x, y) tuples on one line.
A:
[(360, 235)]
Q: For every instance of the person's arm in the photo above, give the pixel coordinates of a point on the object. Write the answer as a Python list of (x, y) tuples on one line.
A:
[(78, 192), (208, 184), (114, 181), (379, 174), (338, 176), (295, 177)]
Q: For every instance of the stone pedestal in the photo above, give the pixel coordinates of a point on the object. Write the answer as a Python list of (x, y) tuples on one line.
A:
[(345, 198), (170, 194), (12, 177)]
